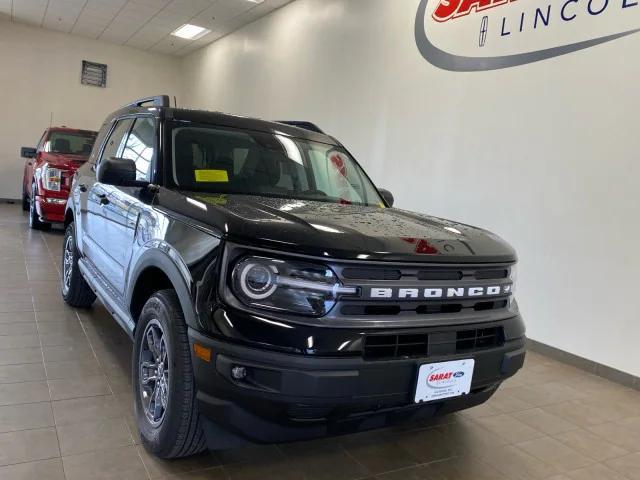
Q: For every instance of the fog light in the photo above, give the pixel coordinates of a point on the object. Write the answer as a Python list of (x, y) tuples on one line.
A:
[(238, 373)]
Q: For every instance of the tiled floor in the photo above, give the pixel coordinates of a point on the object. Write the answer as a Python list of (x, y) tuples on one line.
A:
[(65, 407)]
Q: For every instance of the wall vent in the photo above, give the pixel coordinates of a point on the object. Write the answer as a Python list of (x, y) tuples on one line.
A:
[(94, 74)]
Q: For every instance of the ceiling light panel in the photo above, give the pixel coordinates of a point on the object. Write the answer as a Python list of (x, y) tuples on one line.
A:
[(190, 32)]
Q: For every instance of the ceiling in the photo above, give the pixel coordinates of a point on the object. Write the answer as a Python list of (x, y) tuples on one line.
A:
[(143, 24)]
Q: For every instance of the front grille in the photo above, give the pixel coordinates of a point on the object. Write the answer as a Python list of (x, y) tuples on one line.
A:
[(416, 345), (451, 279), (363, 309), (491, 274), (478, 339), (371, 274), (389, 346)]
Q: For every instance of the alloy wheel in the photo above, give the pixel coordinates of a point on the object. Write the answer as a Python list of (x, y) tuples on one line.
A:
[(67, 263), (154, 373), (32, 210)]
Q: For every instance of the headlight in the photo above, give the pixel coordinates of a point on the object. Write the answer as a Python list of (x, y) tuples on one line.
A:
[(297, 287), (52, 178), (513, 276)]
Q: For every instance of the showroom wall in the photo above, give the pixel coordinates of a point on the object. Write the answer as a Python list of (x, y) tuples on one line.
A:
[(545, 154), (49, 82)]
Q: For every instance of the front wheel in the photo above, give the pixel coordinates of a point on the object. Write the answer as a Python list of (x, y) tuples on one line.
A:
[(34, 218), (26, 203), (164, 386)]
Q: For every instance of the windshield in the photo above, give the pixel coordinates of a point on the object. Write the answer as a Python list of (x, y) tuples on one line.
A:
[(217, 160), (70, 143)]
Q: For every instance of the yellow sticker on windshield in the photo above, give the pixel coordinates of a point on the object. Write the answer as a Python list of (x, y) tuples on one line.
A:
[(212, 176)]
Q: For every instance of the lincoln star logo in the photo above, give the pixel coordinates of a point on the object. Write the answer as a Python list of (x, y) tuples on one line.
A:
[(434, 293), (518, 32)]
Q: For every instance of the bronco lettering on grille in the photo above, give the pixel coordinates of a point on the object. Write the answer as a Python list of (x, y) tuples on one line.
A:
[(451, 292)]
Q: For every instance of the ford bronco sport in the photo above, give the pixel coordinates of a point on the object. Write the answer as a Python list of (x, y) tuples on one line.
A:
[(271, 290)]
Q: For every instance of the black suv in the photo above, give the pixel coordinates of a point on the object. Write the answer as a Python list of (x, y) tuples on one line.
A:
[(271, 290)]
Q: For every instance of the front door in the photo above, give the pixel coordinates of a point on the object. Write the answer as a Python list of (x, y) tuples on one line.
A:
[(100, 238), (125, 203)]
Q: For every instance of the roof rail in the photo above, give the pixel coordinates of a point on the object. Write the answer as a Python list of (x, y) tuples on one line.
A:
[(158, 101), (302, 124)]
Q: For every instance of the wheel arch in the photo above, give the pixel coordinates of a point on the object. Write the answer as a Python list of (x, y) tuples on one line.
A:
[(157, 271)]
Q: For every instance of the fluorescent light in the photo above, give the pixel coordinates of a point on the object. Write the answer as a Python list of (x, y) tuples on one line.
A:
[(190, 32)]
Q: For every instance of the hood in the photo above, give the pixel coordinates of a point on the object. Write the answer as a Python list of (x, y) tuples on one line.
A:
[(64, 161), (338, 231)]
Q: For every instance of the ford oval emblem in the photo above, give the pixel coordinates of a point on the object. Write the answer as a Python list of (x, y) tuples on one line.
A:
[(458, 374)]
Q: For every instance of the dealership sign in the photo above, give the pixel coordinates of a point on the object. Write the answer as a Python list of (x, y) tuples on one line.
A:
[(477, 35)]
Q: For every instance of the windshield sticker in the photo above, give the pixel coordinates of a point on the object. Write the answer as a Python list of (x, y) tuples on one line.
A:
[(212, 176)]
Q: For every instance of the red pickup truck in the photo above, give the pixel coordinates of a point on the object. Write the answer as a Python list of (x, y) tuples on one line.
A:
[(48, 172)]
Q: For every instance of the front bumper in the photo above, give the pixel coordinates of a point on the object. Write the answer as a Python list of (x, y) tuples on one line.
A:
[(50, 209), (287, 397)]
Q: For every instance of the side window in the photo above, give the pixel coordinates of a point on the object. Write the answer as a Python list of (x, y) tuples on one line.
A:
[(115, 142), (140, 147)]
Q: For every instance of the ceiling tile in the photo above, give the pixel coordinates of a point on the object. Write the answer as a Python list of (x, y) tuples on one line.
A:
[(180, 18), (188, 7), (117, 4), (144, 24), (92, 30), (29, 11)]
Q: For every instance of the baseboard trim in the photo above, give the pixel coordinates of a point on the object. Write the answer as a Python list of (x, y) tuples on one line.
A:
[(587, 365)]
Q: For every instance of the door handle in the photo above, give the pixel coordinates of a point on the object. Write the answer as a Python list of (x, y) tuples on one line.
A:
[(103, 199), (82, 187)]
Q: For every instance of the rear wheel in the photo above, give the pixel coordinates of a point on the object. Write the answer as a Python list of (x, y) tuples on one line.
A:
[(163, 382), (75, 289), (34, 218)]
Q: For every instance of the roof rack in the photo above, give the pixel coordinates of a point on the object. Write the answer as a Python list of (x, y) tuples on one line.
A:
[(302, 124), (158, 101)]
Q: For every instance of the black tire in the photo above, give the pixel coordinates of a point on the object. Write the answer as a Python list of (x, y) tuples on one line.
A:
[(178, 430), (34, 219), (25, 200), (75, 290)]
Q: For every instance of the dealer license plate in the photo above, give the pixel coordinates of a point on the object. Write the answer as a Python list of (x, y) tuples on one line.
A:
[(437, 381)]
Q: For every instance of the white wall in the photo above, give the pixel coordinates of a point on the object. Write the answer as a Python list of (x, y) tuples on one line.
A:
[(40, 74), (545, 155)]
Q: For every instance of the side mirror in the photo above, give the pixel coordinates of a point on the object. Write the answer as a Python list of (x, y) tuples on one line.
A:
[(387, 196), (117, 171), (28, 152)]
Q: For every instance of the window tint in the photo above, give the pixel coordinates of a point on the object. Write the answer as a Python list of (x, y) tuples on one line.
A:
[(115, 143), (140, 147)]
